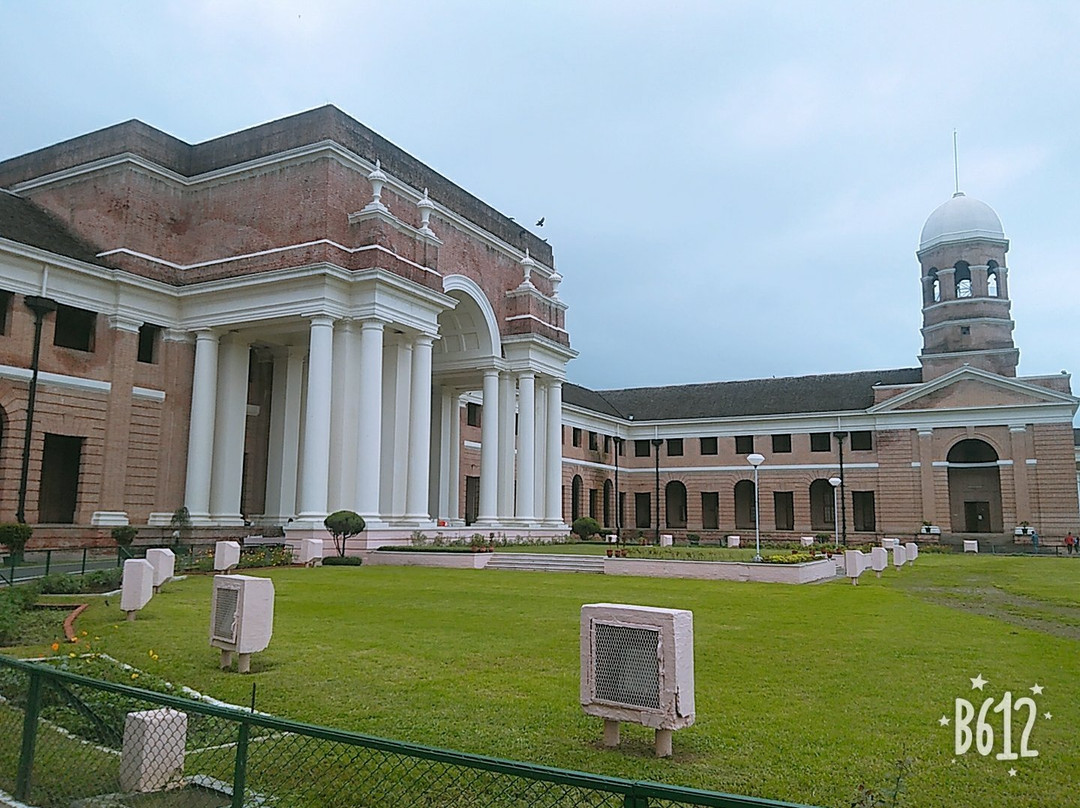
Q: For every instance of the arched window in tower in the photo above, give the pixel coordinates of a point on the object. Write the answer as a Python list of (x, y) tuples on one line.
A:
[(575, 497), (963, 279), (992, 279), (935, 297)]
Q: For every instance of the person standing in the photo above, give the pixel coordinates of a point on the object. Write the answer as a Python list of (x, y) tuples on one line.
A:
[(1070, 543)]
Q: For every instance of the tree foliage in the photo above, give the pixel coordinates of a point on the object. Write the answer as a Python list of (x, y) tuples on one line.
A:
[(343, 525), (585, 527)]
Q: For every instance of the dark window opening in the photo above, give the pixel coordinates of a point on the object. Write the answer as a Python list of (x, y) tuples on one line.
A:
[(675, 504), (784, 509), (744, 505), (862, 506), (59, 495), (148, 343), (642, 510), (575, 437), (593, 442), (781, 444), (607, 443), (472, 414), (862, 441), (472, 499), (5, 307), (820, 442), (594, 503), (641, 448), (709, 446), (965, 330), (609, 491), (575, 498), (744, 444), (74, 328), (710, 510), (674, 447)]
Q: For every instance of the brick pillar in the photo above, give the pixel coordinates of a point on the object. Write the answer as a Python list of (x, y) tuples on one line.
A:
[(1021, 480), (926, 475), (125, 341)]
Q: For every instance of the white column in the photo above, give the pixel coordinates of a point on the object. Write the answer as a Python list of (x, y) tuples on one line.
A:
[(554, 454), (526, 455), (316, 458), (442, 478), (284, 442), (489, 449), (342, 426), (201, 431), (506, 446), (226, 481), (397, 382), (369, 444), (416, 505), (540, 450), (454, 485)]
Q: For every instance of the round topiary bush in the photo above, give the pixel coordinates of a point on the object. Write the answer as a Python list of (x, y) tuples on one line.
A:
[(585, 527), (343, 525), (124, 535)]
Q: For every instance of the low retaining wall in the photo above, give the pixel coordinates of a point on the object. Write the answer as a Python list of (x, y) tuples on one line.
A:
[(457, 561), (810, 572)]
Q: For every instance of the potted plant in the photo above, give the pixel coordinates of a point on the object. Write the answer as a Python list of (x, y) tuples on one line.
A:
[(610, 552), (1023, 530), (124, 535), (928, 528)]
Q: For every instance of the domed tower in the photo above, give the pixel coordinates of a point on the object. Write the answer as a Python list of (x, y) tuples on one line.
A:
[(966, 317)]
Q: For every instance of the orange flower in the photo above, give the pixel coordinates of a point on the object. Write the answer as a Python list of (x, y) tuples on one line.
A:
[(55, 646)]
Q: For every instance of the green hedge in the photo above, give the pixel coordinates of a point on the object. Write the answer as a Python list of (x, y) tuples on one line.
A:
[(342, 561)]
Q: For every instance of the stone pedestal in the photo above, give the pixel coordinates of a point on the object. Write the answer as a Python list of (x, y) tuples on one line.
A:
[(164, 564), (226, 555), (137, 587), (153, 751)]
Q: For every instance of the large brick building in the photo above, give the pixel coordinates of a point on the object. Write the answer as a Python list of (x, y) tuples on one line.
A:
[(301, 317)]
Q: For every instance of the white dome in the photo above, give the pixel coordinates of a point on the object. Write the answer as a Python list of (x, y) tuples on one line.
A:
[(960, 219)]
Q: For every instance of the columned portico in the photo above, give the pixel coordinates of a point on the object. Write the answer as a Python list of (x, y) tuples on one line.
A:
[(489, 450), (201, 433), (228, 459), (526, 454), (370, 420), (284, 439), (315, 462), (416, 505), (553, 469)]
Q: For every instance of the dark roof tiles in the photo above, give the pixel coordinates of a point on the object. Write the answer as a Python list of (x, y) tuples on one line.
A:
[(23, 221)]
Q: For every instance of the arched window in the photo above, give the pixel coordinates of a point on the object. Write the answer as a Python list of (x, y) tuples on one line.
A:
[(992, 286), (963, 279), (575, 498), (675, 504), (972, 450), (744, 504), (609, 495), (935, 286), (822, 512)]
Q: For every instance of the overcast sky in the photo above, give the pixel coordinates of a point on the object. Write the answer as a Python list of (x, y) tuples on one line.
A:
[(732, 189)]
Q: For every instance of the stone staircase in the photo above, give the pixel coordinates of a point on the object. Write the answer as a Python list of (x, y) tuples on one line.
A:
[(546, 562)]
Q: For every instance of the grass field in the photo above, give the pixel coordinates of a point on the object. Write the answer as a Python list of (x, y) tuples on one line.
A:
[(803, 693)]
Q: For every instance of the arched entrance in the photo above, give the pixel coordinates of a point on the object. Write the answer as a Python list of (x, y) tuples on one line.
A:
[(675, 504), (822, 512), (609, 492), (575, 498), (744, 504), (974, 487)]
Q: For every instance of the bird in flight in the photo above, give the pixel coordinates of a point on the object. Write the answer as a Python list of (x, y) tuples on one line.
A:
[(540, 223)]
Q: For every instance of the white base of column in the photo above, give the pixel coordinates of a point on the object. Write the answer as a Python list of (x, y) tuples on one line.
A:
[(226, 520), (199, 519), (108, 518), (160, 519)]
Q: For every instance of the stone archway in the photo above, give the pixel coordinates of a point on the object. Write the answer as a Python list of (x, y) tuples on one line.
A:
[(974, 487)]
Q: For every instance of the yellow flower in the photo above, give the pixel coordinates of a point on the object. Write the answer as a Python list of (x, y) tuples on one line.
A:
[(134, 676), (151, 654), (72, 655), (156, 657), (55, 646), (84, 633)]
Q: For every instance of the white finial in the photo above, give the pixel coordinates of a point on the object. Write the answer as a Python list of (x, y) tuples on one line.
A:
[(426, 206), (377, 179), (555, 279), (527, 264)]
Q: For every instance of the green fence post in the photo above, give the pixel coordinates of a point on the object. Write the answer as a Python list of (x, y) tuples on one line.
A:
[(635, 800), (240, 772), (48, 561), (29, 737), (83, 562)]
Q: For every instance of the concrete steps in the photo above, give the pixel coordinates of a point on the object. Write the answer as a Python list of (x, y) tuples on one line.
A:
[(546, 562)]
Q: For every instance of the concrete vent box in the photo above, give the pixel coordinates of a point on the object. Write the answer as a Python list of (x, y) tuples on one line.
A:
[(137, 585), (226, 555), (164, 563), (637, 665), (241, 617)]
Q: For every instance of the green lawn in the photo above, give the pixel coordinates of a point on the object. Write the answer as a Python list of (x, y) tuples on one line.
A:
[(803, 693)]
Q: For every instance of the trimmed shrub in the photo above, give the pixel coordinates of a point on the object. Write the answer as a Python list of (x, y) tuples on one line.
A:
[(585, 526), (343, 561), (14, 536), (124, 535), (343, 525)]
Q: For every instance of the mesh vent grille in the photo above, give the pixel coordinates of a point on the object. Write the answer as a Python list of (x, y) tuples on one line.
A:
[(627, 665), (225, 602)]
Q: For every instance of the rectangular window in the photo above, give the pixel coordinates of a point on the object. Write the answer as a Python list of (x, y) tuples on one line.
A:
[(592, 441), (5, 308), (148, 343), (576, 437), (781, 444), (862, 506), (862, 441), (642, 510), (744, 444), (674, 447), (74, 328), (710, 510), (620, 447), (641, 448), (784, 509), (472, 414), (594, 503), (607, 443), (708, 446), (820, 442), (622, 508)]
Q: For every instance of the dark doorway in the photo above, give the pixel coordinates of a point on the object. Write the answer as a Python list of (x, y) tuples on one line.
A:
[(977, 517), (472, 499), (59, 493), (675, 504), (744, 505), (822, 512)]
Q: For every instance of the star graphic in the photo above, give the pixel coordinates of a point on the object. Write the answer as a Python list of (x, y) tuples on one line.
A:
[(978, 682), (1047, 716), (1012, 772), (943, 721), (1037, 690)]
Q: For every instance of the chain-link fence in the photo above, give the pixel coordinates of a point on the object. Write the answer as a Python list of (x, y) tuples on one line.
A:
[(74, 742)]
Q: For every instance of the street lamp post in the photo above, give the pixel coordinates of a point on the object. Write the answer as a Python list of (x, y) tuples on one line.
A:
[(40, 306), (843, 495), (657, 443), (756, 460), (835, 483), (618, 448)]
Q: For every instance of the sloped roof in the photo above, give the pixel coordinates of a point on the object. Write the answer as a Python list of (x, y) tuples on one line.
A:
[(832, 392), (23, 221)]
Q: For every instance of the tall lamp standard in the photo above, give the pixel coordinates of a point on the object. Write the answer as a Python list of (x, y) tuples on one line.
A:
[(657, 443), (40, 306), (835, 483), (618, 450), (756, 460), (843, 494)]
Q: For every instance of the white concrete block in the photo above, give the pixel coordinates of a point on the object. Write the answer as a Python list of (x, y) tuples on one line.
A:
[(879, 559), (855, 564), (665, 540), (899, 555), (971, 546), (241, 614), (806, 541), (734, 541), (310, 551), (153, 750), (138, 585), (164, 564), (226, 555), (912, 551), (889, 544), (612, 538)]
